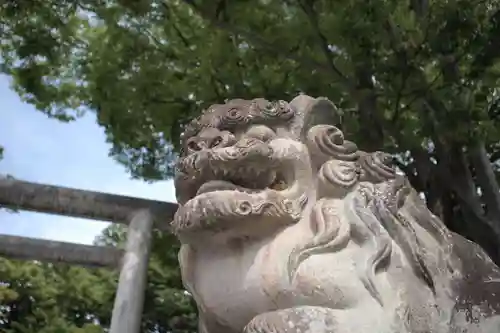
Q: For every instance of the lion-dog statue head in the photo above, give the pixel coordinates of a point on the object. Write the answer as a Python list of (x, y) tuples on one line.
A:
[(287, 227)]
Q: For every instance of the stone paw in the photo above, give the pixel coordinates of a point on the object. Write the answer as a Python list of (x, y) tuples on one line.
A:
[(304, 319)]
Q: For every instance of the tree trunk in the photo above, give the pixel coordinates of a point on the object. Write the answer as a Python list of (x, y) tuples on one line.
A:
[(456, 174), (490, 191), (369, 117)]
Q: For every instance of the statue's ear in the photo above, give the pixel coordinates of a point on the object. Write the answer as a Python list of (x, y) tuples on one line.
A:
[(315, 111)]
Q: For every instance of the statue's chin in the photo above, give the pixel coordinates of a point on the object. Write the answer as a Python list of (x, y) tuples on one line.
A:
[(223, 211)]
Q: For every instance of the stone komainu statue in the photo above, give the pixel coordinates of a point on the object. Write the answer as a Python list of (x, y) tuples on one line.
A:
[(287, 227)]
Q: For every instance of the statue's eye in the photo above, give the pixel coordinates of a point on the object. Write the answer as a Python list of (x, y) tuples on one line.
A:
[(217, 141), (234, 117), (193, 145)]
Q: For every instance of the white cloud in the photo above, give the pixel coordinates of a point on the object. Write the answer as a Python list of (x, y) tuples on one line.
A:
[(44, 150)]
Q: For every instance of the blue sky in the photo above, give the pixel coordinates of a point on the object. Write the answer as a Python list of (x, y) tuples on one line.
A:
[(43, 150)]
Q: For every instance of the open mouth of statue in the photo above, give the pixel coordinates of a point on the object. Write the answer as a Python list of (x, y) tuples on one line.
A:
[(244, 181), (250, 181), (250, 166)]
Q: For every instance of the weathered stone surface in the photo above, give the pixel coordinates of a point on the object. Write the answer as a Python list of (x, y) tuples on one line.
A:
[(287, 227)]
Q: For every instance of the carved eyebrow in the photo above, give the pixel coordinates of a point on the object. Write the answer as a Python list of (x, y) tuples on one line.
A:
[(252, 112)]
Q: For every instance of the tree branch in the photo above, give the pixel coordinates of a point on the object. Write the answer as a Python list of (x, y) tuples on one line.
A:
[(168, 11), (312, 15), (262, 43), (486, 178), (495, 156)]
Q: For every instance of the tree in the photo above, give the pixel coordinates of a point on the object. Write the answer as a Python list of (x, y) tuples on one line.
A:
[(38, 297), (416, 78), (45, 298)]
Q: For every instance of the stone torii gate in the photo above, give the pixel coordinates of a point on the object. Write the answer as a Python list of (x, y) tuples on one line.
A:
[(141, 216)]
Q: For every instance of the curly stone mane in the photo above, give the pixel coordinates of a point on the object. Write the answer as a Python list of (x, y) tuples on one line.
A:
[(362, 196)]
